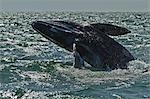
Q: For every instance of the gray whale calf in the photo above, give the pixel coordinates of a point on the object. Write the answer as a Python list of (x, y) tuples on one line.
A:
[(92, 42)]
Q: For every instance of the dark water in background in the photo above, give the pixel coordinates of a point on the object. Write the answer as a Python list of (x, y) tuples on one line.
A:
[(33, 67)]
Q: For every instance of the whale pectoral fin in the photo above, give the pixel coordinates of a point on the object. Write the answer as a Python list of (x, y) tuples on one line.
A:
[(78, 60), (87, 54), (109, 29)]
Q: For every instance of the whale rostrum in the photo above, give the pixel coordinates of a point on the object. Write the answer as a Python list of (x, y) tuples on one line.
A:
[(90, 43)]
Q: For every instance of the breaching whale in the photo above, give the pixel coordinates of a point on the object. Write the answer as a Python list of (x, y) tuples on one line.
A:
[(92, 42)]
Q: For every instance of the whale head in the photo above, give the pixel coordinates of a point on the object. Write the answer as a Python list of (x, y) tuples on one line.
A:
[(60, 34)]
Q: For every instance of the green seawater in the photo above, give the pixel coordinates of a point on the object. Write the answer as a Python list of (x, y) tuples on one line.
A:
[(31, 67)]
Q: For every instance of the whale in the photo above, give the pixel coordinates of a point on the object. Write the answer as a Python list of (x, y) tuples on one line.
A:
[(93, 42)]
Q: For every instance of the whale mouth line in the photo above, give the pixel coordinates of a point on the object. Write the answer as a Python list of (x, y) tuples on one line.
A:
[(49, 38)]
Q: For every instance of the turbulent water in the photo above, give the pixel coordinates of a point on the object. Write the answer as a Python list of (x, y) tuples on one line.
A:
[(33, 67)]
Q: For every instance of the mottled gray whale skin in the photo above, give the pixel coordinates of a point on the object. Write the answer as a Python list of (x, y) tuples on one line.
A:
[(94, 44)]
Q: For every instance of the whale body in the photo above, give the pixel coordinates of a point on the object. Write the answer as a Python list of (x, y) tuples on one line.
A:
[(94, 44)]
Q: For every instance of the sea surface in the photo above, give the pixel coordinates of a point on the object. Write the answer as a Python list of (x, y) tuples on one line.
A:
[(31, 67)]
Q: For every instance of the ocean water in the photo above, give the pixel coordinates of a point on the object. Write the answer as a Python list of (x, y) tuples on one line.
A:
[(31, 67)]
